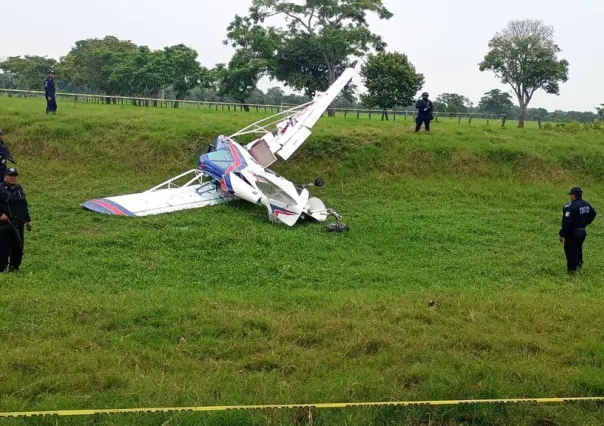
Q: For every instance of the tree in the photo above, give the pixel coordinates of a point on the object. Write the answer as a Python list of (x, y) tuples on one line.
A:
[(600, 111), (390, 80), (524, 56), (90, 63), (238, 81), (28, 72), (140, 73), (318, 41), (7, 80), (274, 96), (185, 72), (452, 102), (496, 102)]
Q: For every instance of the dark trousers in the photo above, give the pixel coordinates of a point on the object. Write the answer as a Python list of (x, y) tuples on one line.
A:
[(573, 249), (51, 105), (11, 246), (422, 120)]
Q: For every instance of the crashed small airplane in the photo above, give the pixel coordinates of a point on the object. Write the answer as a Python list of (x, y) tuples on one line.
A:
[(231, 171)]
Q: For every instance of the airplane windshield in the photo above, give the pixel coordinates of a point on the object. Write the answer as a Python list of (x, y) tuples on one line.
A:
[(220, 157)]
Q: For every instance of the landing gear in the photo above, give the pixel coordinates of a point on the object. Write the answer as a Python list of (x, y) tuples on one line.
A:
[(315, 209), (337, 227)]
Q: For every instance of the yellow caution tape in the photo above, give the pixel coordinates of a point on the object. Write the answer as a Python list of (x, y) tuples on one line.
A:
[(68, 413)]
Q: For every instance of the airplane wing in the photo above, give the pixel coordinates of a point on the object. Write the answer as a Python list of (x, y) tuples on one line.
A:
[(164, 198), (293, 126)]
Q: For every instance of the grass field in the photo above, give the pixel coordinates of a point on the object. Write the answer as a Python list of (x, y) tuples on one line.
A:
[(220, 307)]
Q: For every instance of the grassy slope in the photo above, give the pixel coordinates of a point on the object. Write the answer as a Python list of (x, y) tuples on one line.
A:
[(218, 306)]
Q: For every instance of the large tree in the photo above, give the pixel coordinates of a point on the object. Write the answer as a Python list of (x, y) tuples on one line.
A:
[(496, 102), (28, 72), (525, 56), (319, 39), (140, 73), (91, 62), (185, 72), (391, 80), (600, 111), (238, 81), (452, 102), (7, 80)]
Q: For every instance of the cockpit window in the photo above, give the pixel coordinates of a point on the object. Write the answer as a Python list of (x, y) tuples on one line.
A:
[(220, 157)]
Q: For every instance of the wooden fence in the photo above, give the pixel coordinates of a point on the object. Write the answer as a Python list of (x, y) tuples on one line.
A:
[(235, 107)]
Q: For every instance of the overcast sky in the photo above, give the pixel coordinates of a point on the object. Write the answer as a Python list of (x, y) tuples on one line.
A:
[(444, 39)]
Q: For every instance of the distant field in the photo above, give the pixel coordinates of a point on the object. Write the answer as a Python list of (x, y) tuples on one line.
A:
[(219, 307)]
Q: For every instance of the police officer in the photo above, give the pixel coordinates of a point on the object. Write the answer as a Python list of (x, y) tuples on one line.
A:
[(425, 110), (4, 156), (14, 216), (576, 215), (49, 91)]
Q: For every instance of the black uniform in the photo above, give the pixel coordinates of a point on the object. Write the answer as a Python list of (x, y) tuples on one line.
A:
[(576, 215), (13, 204), (4, 157), (49, 91), (424, 114)]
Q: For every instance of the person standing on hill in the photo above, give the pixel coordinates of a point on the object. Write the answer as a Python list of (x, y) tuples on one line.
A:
[(14, 217), (49, 91), (4, 156), (576, 216), (425, 111)]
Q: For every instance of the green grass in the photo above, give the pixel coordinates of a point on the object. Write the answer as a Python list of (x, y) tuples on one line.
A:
[(218, 306)]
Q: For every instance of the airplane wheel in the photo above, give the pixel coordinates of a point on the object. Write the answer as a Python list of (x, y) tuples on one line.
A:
[(337, 227), (319, 182)]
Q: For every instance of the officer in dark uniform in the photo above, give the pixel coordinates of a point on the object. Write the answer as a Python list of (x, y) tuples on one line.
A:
[(576, 215), (14, 217), (4, 156), (49, 91), (425, 110)]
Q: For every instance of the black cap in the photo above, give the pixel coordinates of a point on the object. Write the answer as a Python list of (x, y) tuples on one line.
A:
[(425, 94), (11, 172), (576, 191)]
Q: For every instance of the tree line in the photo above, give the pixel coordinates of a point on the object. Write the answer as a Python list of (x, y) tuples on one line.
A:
[(317, 41)]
